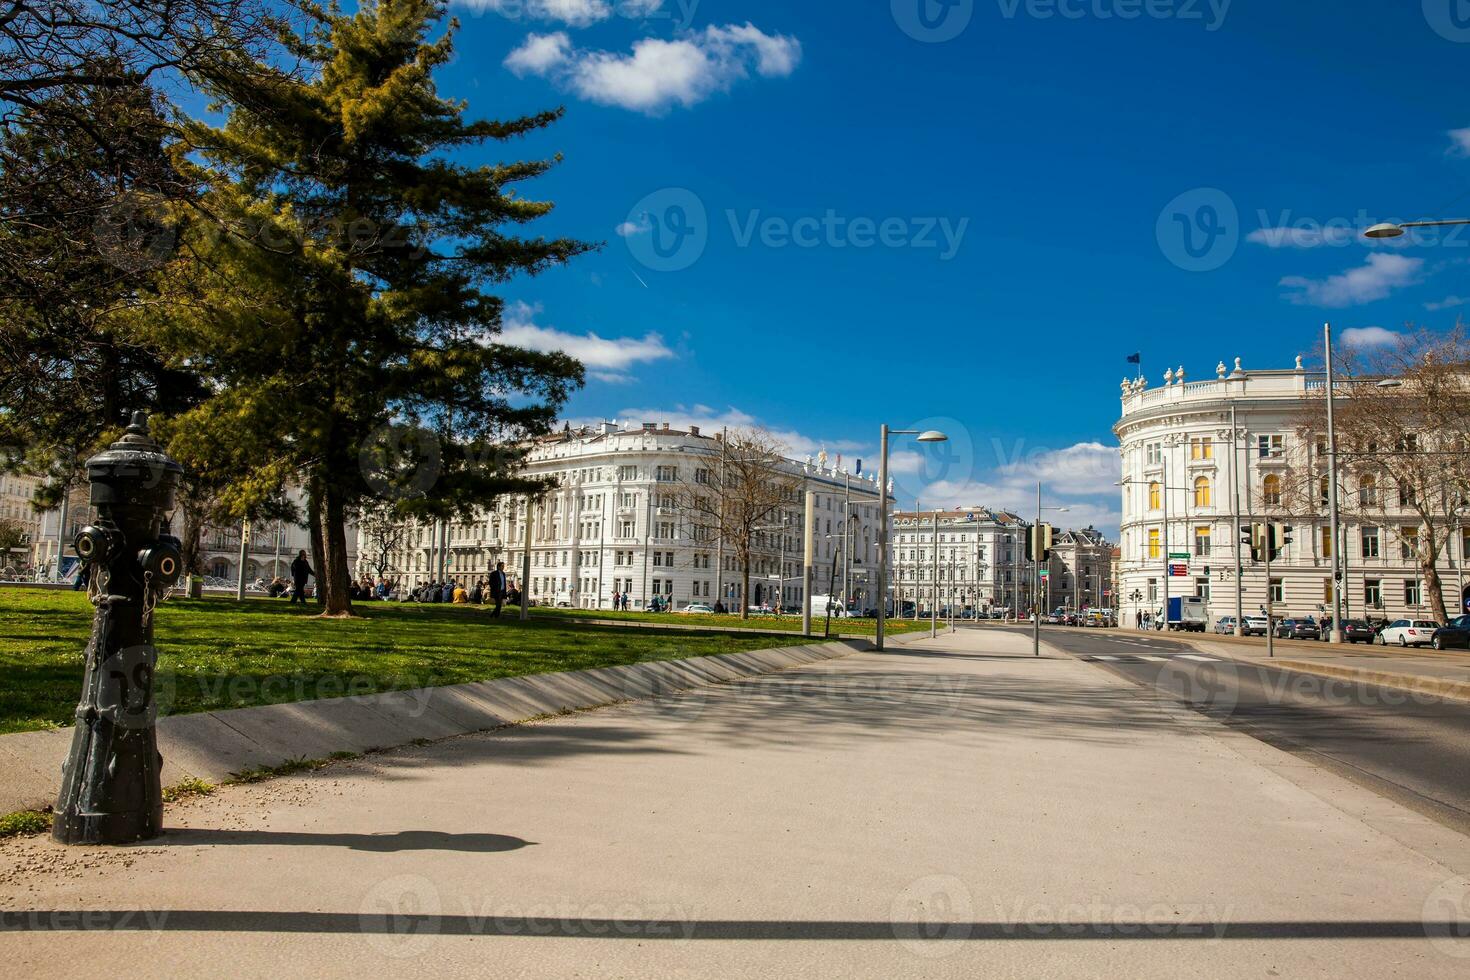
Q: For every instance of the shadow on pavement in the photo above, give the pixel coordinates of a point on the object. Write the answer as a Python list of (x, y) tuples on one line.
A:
[(410, 925), (404, 840)]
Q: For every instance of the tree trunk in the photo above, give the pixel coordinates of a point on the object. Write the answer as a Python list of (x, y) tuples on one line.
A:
[(1433, 586), (745, 589), (314, 533), (335, 577), (189, 543)]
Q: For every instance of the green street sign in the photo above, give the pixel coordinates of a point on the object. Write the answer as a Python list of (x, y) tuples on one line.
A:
[(1045, 572), (1179, 555)]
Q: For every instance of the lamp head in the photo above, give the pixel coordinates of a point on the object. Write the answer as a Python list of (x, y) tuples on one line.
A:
[(933, 435), (1384, 231)]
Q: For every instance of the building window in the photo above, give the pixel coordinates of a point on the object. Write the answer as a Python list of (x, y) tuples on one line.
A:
[(1153, 542), (1326, 542), (1269, 446), (1153, 590), (1277, 592), (1202, 588), (1373, 593), (1327, 590), (1202, 494), (1201, 447), (1155, 496), (1368, 491), (1413, 596), (666, 474), (627, 472), (1370, 542), (1271, 490), (1202, 541), (1408, 542), (1323, 488)]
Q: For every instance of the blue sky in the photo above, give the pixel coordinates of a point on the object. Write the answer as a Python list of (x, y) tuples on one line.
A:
[(823, 216)]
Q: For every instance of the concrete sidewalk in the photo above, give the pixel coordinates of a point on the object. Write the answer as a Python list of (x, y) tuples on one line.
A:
[(949, 808)]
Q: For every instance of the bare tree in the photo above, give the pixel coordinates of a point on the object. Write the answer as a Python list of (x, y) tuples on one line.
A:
[(382, 533), (1401, 446), (733, 497)]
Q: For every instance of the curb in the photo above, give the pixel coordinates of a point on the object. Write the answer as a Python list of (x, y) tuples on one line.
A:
[(1454, 690), (216, 745)]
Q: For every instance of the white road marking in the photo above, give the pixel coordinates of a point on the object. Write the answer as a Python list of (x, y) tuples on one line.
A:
[(1195, 656), (1155, 660), (1103, 656)]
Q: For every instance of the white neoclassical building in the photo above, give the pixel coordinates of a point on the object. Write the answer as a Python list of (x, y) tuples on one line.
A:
[(1199, 456), (613, 524), (980, 562)]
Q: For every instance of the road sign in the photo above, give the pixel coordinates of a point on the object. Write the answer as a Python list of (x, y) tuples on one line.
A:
[(1179, 555), (1178, 570), (1045, 572)]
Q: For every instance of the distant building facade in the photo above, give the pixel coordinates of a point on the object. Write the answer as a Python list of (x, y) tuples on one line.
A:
[(1199, 456), (969, 559), (614, 524)]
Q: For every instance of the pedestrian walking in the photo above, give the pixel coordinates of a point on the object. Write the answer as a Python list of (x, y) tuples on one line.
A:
[(300, 572), (498, 587)]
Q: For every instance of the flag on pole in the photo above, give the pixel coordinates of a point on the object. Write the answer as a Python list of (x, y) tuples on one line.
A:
[(1135, 358)]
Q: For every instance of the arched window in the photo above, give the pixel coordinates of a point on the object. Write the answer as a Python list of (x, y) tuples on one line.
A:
[(1155, 496), (1271, 490), (1202, 495), (219, 568)]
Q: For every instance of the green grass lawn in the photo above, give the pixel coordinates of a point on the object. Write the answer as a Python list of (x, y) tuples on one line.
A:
[(788, 623), (217, 653)]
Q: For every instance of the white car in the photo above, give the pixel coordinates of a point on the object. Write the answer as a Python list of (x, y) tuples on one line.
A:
[(1408, 632), (697, 607)]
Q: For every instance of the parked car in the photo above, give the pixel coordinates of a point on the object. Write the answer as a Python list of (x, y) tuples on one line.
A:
[(1255, 626), (1353, 631), (1225, 625), (1408, 633), (1297, 629), (1455, 633), (698, 607)]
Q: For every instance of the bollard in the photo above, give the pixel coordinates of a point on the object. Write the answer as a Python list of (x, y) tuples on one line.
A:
[(111, 791)]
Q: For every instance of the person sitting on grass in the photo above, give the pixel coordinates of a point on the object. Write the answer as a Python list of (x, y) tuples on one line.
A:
[(461, 597)]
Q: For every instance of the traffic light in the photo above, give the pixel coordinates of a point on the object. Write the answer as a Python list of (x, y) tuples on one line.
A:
[(1038, 546), (1278, 537), (1253, 537)]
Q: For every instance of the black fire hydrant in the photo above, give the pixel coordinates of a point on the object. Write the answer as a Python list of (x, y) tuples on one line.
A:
[(111, 791)]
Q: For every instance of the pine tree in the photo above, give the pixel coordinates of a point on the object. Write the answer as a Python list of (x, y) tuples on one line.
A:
[(347, 304)]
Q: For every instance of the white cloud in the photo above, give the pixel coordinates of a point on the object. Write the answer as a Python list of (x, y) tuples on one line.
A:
[(1361, 337), (1307, 236), (1374, 280), (710, 420), (539, 54), (574, 13), (642, 226), (1449, 302), (607, 358), (659, 74), (1459, 142)]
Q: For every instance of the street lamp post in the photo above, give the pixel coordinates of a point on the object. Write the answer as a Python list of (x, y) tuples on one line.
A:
[(885, 432)]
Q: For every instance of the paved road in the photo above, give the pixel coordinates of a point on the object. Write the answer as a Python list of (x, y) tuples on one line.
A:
[(1413, 748)]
